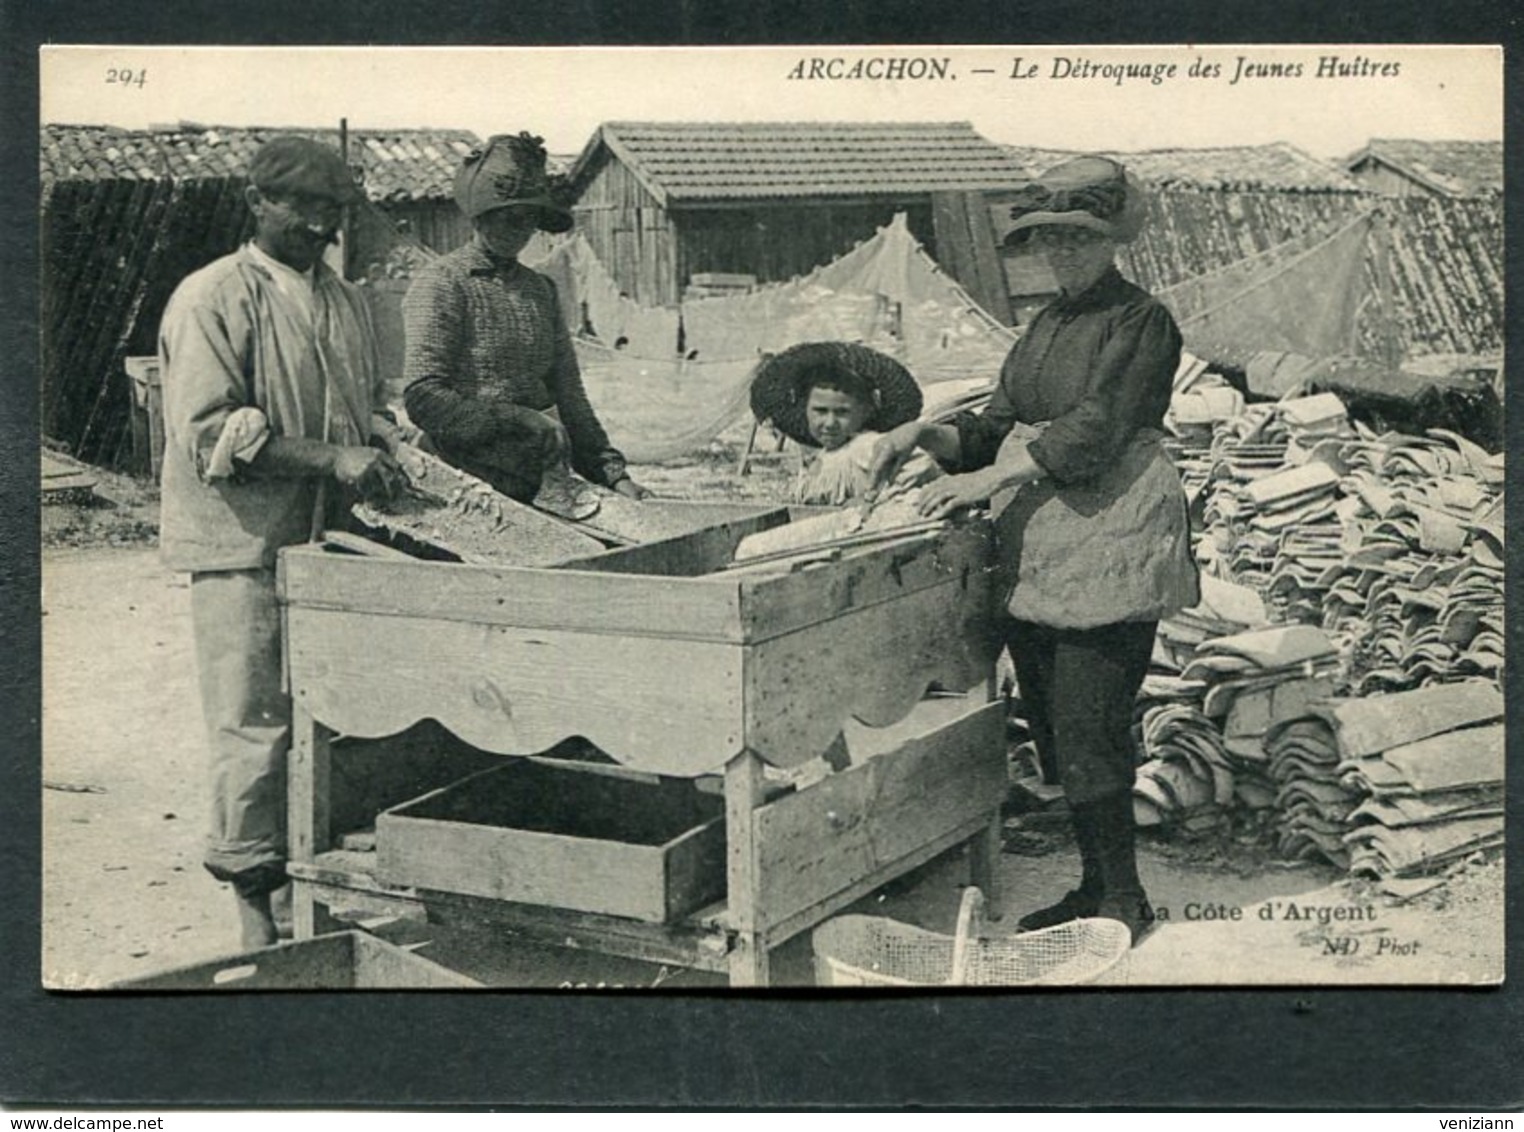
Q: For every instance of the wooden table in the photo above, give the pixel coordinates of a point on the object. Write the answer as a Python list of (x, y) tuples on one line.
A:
[(673, 667)]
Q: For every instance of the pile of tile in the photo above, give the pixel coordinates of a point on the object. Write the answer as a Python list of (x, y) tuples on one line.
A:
[(1392, 543), (1419, 593), (1311, 801), (1395, 785), (1201, 402), (1203, 731), (1275, 475)]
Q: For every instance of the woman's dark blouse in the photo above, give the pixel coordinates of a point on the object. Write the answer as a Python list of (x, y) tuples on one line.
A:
[(1096, 367)]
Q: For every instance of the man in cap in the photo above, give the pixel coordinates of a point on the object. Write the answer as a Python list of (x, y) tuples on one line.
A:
[(272, 392), (491, 374)]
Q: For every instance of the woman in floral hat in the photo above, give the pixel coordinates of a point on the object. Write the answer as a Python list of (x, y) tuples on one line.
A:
[(1094, 547), (491, 374)]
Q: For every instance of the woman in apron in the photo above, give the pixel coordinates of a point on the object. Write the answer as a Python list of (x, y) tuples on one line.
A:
[(1094, 545)]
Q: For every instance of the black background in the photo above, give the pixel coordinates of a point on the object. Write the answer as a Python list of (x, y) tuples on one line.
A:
[(1303, 1048)]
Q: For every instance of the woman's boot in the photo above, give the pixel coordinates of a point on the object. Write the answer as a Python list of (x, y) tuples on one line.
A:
[(1080, 902), (1122, 896)]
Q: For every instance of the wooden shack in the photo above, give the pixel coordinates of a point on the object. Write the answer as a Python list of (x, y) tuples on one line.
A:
[(1409, 167), (663, 202), (127, 214)]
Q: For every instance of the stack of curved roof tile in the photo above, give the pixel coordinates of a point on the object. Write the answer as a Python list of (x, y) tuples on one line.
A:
[(1205, 742), (1420, 591), (1392, 542), (1274, 478), (1394, 785)]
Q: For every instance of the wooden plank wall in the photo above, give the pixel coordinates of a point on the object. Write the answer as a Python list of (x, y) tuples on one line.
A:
[(652, 251), (113, 252), (1382, 178), (436, 224), (631, 234), (781, 240), (965, 241)]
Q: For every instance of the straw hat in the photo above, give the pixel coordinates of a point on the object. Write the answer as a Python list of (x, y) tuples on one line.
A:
[(509, 170), (780, 386), (1084, 192)]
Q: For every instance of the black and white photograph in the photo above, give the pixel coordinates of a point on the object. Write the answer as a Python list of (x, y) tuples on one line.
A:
[(664, 519)]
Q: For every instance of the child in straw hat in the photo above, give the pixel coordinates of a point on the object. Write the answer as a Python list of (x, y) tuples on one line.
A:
[(838, 398)]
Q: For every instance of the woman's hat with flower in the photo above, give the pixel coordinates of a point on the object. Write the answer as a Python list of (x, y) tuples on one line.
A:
[(1090, 192), (509, 171)]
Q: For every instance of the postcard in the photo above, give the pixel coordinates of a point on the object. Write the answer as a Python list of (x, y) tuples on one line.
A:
[(671, 518)]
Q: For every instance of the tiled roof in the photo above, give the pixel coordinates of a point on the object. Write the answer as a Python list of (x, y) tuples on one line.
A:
[(1457, 168), (399, 165), (1277, 167), (694, 161)]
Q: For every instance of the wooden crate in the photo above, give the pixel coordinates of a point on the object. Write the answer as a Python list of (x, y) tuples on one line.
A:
[(588, 838), (349, 960), (654, 653)]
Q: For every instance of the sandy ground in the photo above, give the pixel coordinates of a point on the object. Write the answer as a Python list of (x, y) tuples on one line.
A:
[(123, 806)]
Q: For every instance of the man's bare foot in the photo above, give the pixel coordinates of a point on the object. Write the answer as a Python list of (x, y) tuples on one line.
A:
[(255, 923), (280, 910)]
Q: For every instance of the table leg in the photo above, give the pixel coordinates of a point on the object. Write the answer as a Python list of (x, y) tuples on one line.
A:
[(749, 965), (309, 915), (308, 771), (983, 857)]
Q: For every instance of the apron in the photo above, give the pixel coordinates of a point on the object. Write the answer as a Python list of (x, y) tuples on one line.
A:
[(1111, 550)]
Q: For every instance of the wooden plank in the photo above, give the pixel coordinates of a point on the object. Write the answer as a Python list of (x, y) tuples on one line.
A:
[(358, 544), (352, 870), (749, 961), (687, 556), (379, 965), (308, 771), (984, 851), (624, 604), (784, 603), (788, 927), (819, 842), (340, 961), (678, 945), (623, 520), (871, 663), (523, 866), (665, 706), (994, 292), (308, 831), (954, 245), (696, 867)]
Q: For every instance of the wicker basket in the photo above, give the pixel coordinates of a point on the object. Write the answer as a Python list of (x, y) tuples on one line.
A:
[(870, 951)]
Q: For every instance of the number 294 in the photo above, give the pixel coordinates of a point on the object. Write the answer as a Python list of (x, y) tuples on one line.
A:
[(126, 76)]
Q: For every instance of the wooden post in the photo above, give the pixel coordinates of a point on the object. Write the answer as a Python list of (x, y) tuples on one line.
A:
[(346, 225), (743, 794), (1391, 335), (308, 833), (983, 857), (743, 465)]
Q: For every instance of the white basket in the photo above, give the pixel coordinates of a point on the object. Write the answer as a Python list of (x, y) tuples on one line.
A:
[(870, 951)]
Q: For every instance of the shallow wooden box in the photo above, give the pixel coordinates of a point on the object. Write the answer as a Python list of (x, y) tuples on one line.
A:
[(655, 653), (588, 839), (348, 960)]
